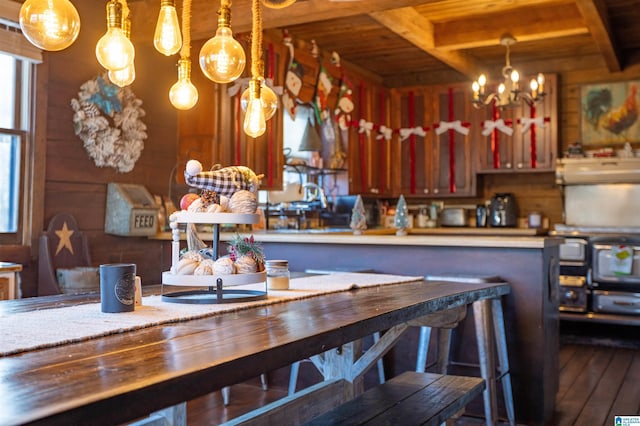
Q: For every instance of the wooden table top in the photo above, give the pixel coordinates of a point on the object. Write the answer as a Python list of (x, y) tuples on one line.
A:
[(121, 377)]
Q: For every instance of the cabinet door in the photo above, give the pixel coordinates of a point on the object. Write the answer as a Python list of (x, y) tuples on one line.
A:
[(536, 146), (495, 150), (411, 155), (452, 172)]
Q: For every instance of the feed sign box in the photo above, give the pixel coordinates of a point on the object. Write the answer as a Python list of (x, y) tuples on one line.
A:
[(131, 211)]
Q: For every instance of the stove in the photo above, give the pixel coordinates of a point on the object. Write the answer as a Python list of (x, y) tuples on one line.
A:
[(600, 257)]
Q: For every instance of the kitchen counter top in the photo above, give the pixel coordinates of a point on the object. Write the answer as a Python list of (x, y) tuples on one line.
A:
[(445, 237)]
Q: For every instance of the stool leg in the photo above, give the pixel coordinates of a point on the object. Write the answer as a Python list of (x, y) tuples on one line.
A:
[(423, 347), (376, 337), (225, 394), (503, 358), (444, 348), (263, 382), (293, 377), (482, 316)]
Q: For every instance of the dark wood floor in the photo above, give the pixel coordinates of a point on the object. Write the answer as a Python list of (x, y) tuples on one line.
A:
[(599, 378)]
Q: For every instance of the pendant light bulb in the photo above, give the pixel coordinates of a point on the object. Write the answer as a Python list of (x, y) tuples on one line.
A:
[(254, 120), (167, 38), (114, 50), (268, 99), (222, 57), (123, 77), (50, 24), (183, 94)]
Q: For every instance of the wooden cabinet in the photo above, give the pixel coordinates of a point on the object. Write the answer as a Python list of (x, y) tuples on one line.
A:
[(430, 162), (531, 148)]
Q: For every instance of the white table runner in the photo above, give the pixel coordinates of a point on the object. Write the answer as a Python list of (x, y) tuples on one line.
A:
[(26, 331)]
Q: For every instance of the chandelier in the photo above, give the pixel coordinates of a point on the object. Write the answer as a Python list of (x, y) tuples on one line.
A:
[(508, 93)]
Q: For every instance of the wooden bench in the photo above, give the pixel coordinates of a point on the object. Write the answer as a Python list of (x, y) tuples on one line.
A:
[(408, 399)]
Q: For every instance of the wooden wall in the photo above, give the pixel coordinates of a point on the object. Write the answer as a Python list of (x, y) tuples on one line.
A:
[(73, 183)]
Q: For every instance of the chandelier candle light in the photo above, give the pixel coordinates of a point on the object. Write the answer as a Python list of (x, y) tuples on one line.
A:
[(50, 24), (222, 58), (167, 38), (183, 94), (508, 94), (114, 50)]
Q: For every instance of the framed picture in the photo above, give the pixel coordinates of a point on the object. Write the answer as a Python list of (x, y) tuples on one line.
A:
[(609, 113)]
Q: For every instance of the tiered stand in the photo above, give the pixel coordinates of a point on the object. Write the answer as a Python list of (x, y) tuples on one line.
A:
[(216, 287)]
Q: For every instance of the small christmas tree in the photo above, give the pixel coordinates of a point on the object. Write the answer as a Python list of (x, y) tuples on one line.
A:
[(358, 217), (401, 218)]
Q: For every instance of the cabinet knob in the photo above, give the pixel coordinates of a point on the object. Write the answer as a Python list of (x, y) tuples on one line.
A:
[(426, 191), (435, 191), (520, 165), (508, 165), (374, 190)]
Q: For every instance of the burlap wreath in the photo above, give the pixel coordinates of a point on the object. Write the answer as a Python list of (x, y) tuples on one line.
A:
[(107, 119)]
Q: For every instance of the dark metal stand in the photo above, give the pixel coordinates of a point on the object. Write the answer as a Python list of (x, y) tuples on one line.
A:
[(215, 294)]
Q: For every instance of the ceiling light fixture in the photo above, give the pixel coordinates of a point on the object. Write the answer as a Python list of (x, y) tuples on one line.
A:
[(508, 93), (222, 57), (261, 101), (183, 94), (125, 76), (114, 50), (167, 38), (50, 24)]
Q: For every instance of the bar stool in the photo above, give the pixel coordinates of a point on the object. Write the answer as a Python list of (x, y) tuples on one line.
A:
[(489, 325)]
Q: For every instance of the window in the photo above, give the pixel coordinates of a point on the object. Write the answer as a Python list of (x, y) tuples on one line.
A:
[(17, 70)]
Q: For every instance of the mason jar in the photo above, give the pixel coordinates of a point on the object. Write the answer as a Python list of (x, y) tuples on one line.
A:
[(277, 274)]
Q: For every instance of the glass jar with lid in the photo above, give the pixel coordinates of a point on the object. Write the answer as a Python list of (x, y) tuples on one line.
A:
[(277, 274)]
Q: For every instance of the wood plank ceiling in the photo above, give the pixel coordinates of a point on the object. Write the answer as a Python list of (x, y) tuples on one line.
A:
[(430, 41)]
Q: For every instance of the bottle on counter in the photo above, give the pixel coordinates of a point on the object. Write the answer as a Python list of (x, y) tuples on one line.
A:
[(277, 274)]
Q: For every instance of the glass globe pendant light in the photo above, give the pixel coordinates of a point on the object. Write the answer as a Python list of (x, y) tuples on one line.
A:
[(222, 57), (125, 76), (183, 94), (167, 38), (254, 120), (268, 99), (114, 50), (50, 24)]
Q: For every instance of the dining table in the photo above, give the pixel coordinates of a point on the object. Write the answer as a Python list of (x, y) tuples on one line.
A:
[(130, 375)]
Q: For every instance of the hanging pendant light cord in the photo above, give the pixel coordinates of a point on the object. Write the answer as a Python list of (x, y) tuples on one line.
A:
[(256, 40), (185, 50)]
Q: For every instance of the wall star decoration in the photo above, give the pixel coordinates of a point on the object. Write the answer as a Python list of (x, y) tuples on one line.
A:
[(107, 119), (65, 238)]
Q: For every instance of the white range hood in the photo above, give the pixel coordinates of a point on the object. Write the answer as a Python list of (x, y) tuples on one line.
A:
[(576, 171), (600, 192)]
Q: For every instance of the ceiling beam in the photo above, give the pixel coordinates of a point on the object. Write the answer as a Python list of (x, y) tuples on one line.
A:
[(204, 14), (415, 28), (525, 24), (596, 17)]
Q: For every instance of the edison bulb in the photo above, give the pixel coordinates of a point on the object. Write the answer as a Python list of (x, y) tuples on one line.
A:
[(50, 24), (167, 38), (254, 120), (183, 94), (222, 57), (123, 77), (267, 97), (114, 50)]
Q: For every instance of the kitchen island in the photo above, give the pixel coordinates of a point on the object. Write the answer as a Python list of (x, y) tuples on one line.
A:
[(528, 263)]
